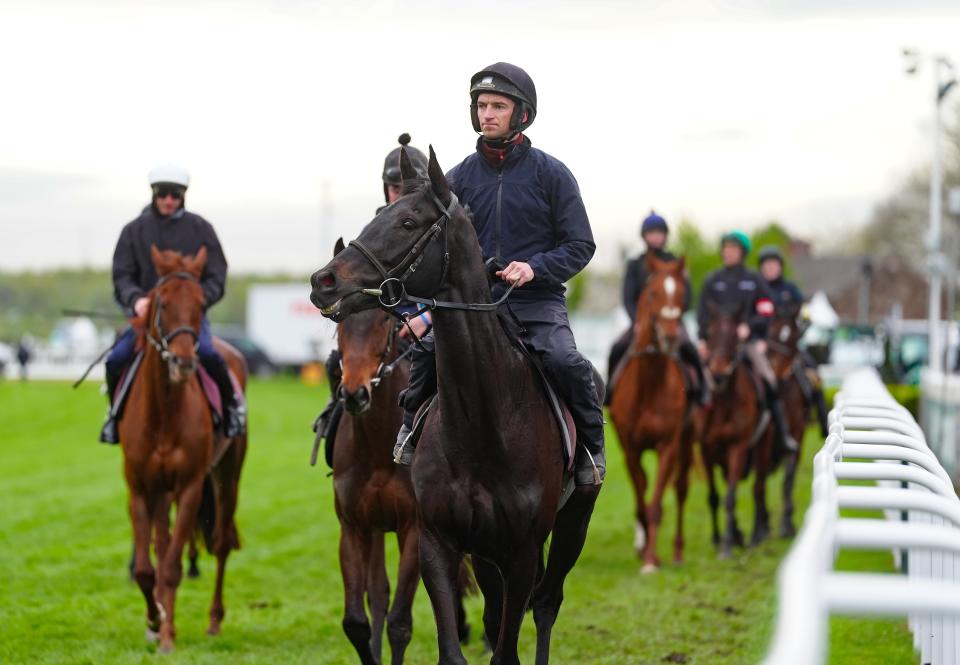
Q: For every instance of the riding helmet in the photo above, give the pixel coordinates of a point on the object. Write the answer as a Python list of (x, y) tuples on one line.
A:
[(769, 252), (169, 174), (391, 165), (738, 237), (653, 222), (502, 78)]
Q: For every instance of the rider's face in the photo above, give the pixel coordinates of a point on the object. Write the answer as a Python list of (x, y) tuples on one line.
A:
[(393, 192), (771, 269), (655, 239), (167, 203), (731, 253), (494, 113)]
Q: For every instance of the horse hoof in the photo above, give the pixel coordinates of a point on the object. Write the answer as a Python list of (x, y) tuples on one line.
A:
[(788, 531), (649, 568), (166, 646), (193, 572), (723, 554), (214, 629), (152, 636)]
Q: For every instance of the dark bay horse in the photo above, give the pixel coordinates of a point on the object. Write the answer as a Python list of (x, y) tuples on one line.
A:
[(651, 409), (488, 471), (736, 433), (782, 343), (170, 452)]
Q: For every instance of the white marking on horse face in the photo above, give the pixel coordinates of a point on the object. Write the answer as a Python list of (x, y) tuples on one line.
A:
[(670, 286), (784, 334)]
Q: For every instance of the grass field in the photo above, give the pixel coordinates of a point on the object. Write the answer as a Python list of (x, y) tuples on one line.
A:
[(65, 539)]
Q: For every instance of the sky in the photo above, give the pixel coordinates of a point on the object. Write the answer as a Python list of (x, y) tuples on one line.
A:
[(728, 114)]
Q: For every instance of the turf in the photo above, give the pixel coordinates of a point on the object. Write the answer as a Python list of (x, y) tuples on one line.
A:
[(65, 540)]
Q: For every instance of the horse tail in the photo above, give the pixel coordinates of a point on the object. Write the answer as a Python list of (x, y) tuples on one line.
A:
[(207, 515), (466, 582)]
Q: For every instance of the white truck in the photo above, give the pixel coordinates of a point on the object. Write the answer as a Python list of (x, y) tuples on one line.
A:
[(283, 321)]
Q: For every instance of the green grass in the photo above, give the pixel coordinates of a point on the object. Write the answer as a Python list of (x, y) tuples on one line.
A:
[(65, 539)]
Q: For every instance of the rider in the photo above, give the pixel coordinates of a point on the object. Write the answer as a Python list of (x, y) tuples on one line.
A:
[(531, 223), (654, 232), (785, 293), (167, 224), (326, 423), (734, 286)]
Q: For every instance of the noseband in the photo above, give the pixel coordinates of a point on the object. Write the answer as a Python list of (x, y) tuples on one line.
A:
[(393, 289), (162, 344)]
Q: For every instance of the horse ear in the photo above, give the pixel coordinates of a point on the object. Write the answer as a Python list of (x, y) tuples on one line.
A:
[(407, 170), (158, 260), (681, 264), (338, 246), (196, 263), (438, 181), (651, 263)]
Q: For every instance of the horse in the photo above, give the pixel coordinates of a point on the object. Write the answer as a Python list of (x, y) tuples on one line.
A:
[(651, 409), (782, 344), (171, 454), (491, 407), (372, 495), (736, 432)]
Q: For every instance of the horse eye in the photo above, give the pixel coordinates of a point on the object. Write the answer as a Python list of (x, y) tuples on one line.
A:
[(409, 224)]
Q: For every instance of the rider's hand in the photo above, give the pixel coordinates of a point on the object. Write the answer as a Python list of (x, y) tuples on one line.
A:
[(743, 332), (517, 271), (140, 307), (702, 348), (419, 324)]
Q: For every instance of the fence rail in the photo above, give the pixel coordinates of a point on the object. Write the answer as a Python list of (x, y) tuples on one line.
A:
[(921, 525)]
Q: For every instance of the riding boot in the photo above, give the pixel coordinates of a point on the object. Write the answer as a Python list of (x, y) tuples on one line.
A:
[(689, 354), (821, 405), (322, 424), (590, 464), (421, 387), (108, 433), (783, 442), (234, 411)]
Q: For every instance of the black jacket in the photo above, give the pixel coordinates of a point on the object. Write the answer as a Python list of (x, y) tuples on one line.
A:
[(530, 210), (635, 279), (784, 293), (185, 232), (730, 288)]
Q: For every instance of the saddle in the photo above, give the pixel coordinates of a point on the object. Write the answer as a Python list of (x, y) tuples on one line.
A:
[(210, 389)]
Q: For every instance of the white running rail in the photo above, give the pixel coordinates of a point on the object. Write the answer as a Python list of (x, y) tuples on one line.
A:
[(921, 526)]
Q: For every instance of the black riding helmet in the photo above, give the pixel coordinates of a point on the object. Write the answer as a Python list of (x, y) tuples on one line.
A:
[(508, 80), (391, 165), (769, 252)]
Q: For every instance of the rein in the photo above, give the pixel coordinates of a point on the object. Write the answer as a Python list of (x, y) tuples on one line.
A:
[(393, 291)]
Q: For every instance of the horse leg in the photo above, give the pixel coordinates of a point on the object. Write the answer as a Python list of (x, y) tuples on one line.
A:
[(438, 565), (569, 534), (681, 484), (787, 529), (172, 565), (142, 570), (161, 541), (354, 553), (666, 462), (400, 619), (761, 519), (713, 498), (491, 586), (378, 593), (639, 478), (226, 487), (732, 535), (520, 573), (463, 589), (193, 572)]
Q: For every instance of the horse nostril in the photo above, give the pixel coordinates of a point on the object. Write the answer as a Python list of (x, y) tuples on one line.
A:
[(325, 279)]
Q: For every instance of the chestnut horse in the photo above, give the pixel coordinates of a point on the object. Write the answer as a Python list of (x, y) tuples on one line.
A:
[(170, 452), (782, 340), (736, 432), (488, 470), (651, 409)]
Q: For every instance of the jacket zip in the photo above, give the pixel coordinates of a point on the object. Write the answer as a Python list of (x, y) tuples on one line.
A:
[(499, 192)]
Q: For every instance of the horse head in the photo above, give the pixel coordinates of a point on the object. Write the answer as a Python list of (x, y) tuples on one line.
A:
[(723, 343), (660, 305), (402, 250), (365, 342), (176, 310), (783, 338)]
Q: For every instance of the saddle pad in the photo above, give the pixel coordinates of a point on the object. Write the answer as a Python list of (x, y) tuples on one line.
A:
[(212, 390)]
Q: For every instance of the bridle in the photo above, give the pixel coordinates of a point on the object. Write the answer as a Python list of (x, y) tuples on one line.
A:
[(393, 291), (162, 342)]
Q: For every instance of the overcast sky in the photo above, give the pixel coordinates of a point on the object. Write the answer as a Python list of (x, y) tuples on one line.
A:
[(726, 113)]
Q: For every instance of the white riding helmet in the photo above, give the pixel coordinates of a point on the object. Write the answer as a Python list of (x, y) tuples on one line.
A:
[(169, 173)]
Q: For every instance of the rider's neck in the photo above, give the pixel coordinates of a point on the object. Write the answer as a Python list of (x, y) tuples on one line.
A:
[(495, 151)]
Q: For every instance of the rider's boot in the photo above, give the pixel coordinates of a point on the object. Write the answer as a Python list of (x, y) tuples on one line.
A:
[(234, 410), (783, 442), (404, 448), (334, 375), (590, 464), (109, 433)]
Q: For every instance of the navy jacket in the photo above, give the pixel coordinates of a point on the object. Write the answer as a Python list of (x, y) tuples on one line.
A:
[(784, 293), (529, 210), (730, 288), (635, 279), (133, 271)]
